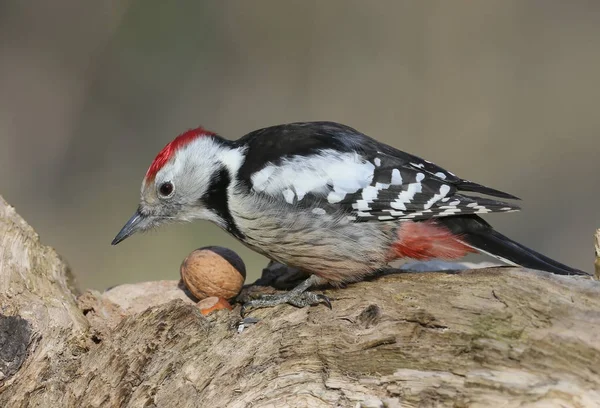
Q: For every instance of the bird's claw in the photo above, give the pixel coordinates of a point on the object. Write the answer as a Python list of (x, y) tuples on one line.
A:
[(302, 299), (324, 299)]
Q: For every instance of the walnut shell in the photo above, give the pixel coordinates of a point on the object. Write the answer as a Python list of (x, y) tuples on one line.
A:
[(213, 271)]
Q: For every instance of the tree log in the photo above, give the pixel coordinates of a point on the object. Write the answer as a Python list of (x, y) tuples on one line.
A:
[(480, 338)]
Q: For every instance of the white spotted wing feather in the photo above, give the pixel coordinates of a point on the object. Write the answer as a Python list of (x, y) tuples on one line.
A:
[(370, 188)]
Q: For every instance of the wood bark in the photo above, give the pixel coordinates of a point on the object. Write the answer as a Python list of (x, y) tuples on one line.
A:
[(498, 337)]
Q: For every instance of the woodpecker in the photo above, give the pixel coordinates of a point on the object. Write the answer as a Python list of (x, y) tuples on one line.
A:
[(326, 199)]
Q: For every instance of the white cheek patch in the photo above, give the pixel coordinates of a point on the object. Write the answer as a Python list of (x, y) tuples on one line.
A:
[(192, 177), (233, 159)]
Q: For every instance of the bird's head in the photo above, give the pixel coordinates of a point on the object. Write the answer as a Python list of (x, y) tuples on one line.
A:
[(179, 182)]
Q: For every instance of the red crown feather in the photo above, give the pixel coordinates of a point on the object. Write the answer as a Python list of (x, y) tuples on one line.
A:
[(169, 150)]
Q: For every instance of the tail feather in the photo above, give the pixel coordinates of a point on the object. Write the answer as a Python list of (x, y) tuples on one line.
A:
[(477, 233), (466, 185)]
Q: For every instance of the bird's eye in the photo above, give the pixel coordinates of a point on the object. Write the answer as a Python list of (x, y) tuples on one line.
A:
[(166, 189)]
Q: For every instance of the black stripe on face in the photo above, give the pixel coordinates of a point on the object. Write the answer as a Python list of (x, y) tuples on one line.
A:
[(215, 199)]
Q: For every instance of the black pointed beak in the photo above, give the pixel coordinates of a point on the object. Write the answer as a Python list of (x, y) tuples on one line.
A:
[(135, 224)]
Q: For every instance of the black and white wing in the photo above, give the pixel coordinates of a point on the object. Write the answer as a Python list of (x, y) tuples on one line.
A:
[(407, 191), (334, 167)]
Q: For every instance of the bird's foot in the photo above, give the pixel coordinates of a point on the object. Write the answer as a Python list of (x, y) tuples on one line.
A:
[(298, 297)]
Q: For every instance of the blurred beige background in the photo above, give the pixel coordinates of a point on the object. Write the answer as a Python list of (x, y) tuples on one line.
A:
[(505, 93)]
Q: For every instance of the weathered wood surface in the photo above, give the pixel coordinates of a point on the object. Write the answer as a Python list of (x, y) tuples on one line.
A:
[(489, 338)]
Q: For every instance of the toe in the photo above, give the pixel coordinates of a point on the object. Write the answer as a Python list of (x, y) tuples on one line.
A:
[(324, 299), (245, 308)]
